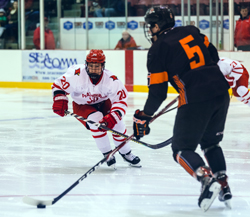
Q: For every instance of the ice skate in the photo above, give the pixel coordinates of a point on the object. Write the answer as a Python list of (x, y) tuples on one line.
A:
[(133, 160), (225, 194), (210, 188), (111, 163)]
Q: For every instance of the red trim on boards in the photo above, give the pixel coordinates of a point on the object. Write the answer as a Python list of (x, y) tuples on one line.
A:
[(129, 70)]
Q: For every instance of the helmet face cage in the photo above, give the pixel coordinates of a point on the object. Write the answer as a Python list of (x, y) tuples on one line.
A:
[(160, 15), (148, 32), (95, 56)]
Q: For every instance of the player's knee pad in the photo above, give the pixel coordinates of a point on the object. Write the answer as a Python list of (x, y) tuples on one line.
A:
[(175, 153), (189, 160), (96, 117), (120, 126), (178, 153), (213, 146), (119, 138), (215, 158)]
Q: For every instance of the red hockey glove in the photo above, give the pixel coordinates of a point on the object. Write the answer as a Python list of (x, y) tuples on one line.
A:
[(60, 104), (140, 125), (111, 119)]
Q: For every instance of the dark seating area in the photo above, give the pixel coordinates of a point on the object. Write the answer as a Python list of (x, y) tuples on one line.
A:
[(139, 7), (76, 8)]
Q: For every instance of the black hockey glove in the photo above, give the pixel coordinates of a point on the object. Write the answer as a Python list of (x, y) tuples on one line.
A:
[(140, 125)]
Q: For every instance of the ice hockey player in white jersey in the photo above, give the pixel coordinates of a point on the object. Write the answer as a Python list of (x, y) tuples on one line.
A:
[(98, 95), (237, 77)]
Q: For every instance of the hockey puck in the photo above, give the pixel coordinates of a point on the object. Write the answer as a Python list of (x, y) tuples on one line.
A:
[(40, 206)]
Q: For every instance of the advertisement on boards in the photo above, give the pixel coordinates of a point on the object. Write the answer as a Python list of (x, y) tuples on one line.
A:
[(46, 66), (105, 32)]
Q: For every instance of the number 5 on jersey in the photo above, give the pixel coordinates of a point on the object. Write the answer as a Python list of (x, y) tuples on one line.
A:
[(190, 51)]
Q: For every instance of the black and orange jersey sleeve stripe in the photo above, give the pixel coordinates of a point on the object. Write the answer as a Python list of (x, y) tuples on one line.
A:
[(206, 41), (157, 78), (182, 91), (212, 50)]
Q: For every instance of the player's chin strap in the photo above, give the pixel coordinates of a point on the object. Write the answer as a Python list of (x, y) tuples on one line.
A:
[(156, 146), (44, 203)]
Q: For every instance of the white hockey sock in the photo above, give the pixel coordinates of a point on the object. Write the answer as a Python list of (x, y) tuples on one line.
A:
[(101, 138), (120, 127), (103, 143), (118, 140)]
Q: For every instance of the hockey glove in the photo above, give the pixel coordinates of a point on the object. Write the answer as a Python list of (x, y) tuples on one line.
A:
[(111, 119), (60, 104), (140, 125)]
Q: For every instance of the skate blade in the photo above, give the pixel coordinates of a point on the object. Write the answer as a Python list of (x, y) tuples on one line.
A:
[(135, 165), (138, 165), (228, 204), (113, 166), (206, 203)]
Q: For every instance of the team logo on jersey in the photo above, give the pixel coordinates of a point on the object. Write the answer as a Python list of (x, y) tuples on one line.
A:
[(142, 122), (77, 72), (114, 77)]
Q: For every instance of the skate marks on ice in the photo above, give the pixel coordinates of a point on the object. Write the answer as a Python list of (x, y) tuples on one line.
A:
[(42, 154)]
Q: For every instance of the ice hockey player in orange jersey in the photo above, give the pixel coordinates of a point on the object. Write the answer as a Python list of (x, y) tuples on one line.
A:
[(184, 57)]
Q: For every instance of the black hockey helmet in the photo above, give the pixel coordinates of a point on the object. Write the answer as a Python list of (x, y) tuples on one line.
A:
[(161, 15)]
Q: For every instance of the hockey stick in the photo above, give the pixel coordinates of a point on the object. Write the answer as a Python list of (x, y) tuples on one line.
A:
[(156, 146), (170, 109), (107, 129), (44, 203)]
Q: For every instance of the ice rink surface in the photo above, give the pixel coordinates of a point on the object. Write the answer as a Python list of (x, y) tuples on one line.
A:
[(42, 154)]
